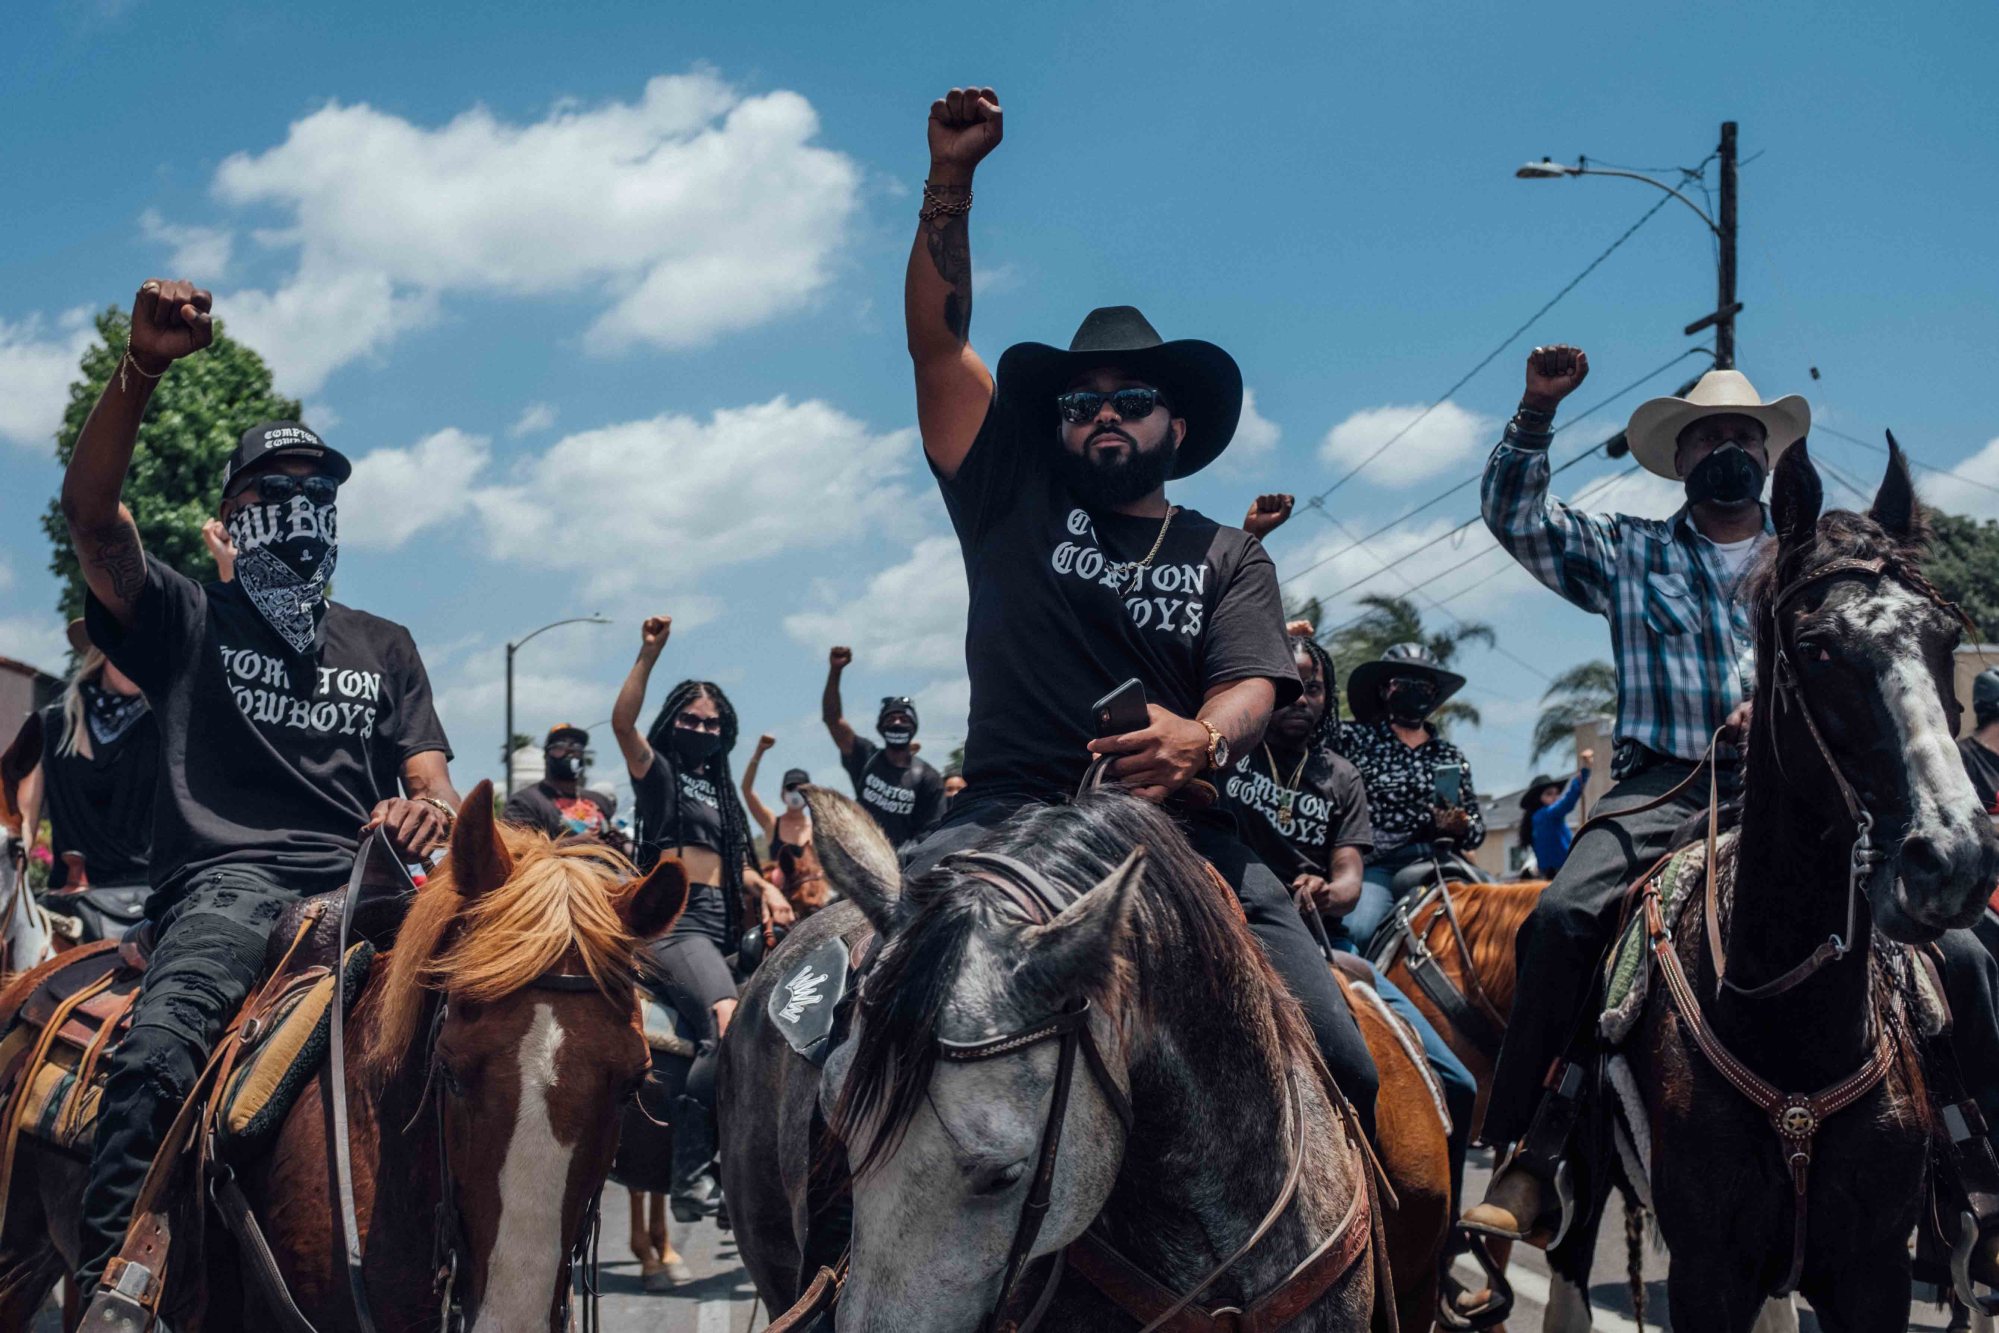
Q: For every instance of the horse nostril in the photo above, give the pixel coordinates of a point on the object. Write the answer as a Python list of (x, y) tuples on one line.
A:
[(1923, 859)]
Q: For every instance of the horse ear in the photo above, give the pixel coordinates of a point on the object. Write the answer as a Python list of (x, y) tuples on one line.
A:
[(858, 859), (1895, 507), (480, 861), (1075, 949), (651, 909), (1797, 497)]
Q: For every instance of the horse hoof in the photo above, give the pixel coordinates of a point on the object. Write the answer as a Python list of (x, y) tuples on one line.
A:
[(667, 1277)]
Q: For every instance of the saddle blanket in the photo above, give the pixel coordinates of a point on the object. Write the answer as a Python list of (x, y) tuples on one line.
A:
[(55, 1099)]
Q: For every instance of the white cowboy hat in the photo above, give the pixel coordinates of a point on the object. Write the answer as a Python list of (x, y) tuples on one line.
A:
[(1654, 432)]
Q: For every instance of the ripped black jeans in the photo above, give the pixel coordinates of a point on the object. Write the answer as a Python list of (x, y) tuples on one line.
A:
[(209, 953)]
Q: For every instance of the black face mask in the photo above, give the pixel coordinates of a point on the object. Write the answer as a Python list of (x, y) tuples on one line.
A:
[(897, 737), (695, 746), (109, 713), (563, 767), (285, 555), (1410, 704), (1730, 475)]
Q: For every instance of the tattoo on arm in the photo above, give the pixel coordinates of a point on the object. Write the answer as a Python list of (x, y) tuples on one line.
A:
[(112, 551), (949, 240)]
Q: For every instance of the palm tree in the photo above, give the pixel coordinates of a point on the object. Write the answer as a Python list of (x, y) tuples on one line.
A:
[(1388, 621), (1577, 695)]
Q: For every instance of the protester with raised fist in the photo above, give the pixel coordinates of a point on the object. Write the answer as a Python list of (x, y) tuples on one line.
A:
[(904, 794), (290, 725)]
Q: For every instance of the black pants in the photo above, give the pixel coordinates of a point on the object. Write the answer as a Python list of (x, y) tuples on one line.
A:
[(690, 972), (1273, 919), (210, 952), (1560, 950)]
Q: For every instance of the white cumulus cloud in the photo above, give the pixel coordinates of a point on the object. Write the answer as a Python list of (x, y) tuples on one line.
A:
[(534, 417), (909, 616), (38, 359), (199, 254), (664, 499), (396, 493), (1952, 494), (1447, 440), (693, 212)]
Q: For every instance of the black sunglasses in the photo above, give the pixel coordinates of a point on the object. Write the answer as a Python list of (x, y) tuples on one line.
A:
[(1081, 405), (278, 487), (696, 722)]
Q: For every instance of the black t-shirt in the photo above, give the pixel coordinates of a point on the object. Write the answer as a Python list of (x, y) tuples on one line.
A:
[(262, 762), (1294, 819), (1052, 628), (693, 820), (543, 807), (1983, 766), (906, 802), (101, 806)]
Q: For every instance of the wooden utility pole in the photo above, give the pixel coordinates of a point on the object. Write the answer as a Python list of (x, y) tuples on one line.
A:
[(1725, 306)]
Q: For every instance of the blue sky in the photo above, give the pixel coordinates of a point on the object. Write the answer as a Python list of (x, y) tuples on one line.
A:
[(606, 301)]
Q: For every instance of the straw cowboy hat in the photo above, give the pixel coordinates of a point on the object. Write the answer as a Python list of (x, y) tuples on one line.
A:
[(1654, 432), (1201, 381)]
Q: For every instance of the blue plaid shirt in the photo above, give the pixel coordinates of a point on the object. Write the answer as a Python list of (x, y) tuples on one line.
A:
[(1680, 637)]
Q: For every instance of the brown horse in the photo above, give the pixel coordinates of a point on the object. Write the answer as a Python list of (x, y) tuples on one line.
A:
[(492, 1050), (1411, 1131)]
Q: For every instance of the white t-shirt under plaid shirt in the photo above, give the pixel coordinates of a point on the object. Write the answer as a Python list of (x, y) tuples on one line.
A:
[(1680, 636)]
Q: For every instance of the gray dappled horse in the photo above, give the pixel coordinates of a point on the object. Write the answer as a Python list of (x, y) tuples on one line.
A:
[(1194, 1031)]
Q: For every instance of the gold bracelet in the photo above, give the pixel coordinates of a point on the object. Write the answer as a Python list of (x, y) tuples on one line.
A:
[(443, 808), (937, 206), (129, 360)]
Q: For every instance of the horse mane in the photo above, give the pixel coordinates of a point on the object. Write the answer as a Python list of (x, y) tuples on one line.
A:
[(1181, 915), (562, 898), (1491, 915)]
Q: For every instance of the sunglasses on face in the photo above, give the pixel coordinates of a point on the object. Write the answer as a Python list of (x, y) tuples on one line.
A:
[(1081, 405), (279, 487), (695, 722)]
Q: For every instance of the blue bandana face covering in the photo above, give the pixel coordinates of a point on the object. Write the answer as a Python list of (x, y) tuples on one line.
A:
[(285, 554)]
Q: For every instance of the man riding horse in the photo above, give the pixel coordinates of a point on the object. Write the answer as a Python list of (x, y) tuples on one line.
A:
[(904, 794), (286, 722), (1684, 655), (1083, 575)]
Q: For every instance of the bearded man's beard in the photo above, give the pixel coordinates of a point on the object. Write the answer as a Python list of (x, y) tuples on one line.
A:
[(1108, 484)]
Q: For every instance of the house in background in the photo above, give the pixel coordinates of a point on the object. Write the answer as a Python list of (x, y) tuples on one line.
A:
[(23, 689)]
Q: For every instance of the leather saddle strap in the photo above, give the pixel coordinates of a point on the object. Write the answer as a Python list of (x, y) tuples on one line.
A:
[(10, 1124), (1457, 1007), (86, 1069), (1034, 1211), (815, 1300), (241, 1220)]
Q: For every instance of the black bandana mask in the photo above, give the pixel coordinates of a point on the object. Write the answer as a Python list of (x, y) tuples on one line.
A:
[(1411, 703), (695, 747), (109, 713), (285, 554), (1730, 475)]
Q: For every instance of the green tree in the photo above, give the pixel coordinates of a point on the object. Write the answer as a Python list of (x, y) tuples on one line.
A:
[(1964, 564), (1575, 696), (1388, 621), (192, 423)]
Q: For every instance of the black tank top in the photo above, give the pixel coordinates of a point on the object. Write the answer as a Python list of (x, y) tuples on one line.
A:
[(101, 806)]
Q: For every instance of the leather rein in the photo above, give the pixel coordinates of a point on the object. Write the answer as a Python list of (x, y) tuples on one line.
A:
[(1474, 1015), (1795, 1117), (1141, 1296)]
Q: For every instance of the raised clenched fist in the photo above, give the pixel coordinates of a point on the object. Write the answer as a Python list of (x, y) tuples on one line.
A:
[(765, 741), (965, 125), (840, 658), (170, 320), (1267, 514), (1553, 374), (655, 632)]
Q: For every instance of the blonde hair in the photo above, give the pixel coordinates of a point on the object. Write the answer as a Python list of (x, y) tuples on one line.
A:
[(75, 727), (562, 899)]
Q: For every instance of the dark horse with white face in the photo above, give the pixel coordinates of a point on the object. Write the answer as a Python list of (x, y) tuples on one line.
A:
[(1854, 719), (1197, 1039)]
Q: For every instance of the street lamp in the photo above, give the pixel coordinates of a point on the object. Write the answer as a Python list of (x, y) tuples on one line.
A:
[(1726, 306), (507, 745)]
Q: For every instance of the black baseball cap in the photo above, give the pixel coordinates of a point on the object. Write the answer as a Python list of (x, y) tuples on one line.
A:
[(565, 729), (794, 777), (1985, 690), (272, 439)]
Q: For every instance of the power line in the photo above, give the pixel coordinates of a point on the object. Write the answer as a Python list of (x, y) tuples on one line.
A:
[(1913, 462), (1504, 343), (1316, 503)]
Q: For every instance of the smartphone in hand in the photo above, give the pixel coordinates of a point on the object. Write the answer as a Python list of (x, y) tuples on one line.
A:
[(1450, 784), (1121, 711)]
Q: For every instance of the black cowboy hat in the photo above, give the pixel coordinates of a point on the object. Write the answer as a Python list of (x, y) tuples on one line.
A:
[(1202, 383), (1404, 659), (1531, 798)]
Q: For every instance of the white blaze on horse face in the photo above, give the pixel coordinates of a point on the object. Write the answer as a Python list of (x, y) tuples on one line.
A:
[(528, 1252)]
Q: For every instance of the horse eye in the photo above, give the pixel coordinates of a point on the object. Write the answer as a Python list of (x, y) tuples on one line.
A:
[(1000, 1181), (447, 1078), (1814, 650)]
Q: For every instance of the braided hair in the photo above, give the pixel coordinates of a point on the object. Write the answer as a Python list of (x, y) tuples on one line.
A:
[(735, 820), (1329, 721)]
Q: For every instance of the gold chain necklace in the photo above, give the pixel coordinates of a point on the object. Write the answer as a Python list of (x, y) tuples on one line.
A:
[(1137, 571), (1287, 793)]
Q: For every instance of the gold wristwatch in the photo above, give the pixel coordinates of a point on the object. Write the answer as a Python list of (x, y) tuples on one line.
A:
[(1218, 746)]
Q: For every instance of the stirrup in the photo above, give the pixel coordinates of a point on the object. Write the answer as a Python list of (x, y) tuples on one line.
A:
[(1560, 1180), (1960, 1268), (116, 1307), (1497, 1309)]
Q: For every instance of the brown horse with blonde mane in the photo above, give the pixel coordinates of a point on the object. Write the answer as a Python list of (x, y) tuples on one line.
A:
[(490, 1055)]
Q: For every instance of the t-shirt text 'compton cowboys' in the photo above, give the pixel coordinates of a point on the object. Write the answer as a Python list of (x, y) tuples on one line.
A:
[(1057, 619), (1296, 827), (266, 757), (906, 802)]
